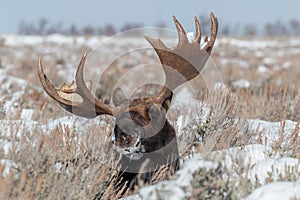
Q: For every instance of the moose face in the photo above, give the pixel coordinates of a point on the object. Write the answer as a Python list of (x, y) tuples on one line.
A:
[(137, 122), (129, 130)]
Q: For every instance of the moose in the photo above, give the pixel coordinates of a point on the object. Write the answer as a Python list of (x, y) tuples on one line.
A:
[(142, 132)]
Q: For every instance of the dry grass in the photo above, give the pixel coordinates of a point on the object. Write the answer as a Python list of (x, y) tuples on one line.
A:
[(270, 103), (66, 164), (59, 165)]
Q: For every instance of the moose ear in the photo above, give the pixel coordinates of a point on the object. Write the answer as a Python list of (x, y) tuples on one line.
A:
[(167, 102), (119, 97)]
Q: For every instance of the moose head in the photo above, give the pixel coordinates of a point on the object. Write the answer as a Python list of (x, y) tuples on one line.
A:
[(142, 133)]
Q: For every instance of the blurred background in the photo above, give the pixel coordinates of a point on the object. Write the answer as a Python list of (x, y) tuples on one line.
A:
[(102, 17)]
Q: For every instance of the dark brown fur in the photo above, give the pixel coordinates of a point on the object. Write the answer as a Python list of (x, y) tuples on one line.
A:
[(157, 139)]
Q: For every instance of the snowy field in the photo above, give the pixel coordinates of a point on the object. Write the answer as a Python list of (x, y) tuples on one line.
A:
[(258, 78)]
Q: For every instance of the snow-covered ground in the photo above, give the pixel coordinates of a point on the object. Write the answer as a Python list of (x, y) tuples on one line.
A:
[(263, 162), (258, 157)]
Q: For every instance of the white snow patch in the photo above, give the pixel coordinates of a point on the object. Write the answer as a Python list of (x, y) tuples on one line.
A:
[(183, 96), (259, 54), (132, 197), (190, 36), (240, 63), (272, 130), (287, 65), (8, 164), (270, 61), (181, 123), (220, 86), (246, 156), (27, 114), (242, 83), (179, 188), (276, 191), (18, 127), (294, 42), (7, 82), (199, 114), (273, 168), (250, 44), (262, 69)]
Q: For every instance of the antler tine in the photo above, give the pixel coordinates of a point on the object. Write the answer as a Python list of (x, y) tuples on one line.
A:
[(198, 31), (84, 92), (86, 106), (157, 44), (214, 30), (48, 86), (186, 60), (81, 89), (181, 32)]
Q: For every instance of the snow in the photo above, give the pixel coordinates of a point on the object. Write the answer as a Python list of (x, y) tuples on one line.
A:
[(260, 159), (180, 125), (287, 65), (8, 165), (250, 44), (250, 155), (177, 189), (17, 127), (255, 156), (262, 69), (190, 120), (27, 114), (242, 83), (8, 81), (183, 96), (61, 40), (273, 168), (220, 86), (240, 63), (14, 40), (276, 191), (190, 36), (272, 130), (269, 61)]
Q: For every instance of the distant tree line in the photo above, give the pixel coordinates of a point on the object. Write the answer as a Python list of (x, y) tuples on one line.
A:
[(44, 27), (276, 28)]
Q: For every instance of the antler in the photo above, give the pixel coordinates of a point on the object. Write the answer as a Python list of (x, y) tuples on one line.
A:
[(180, 64), (186, 60), (75, 98)]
